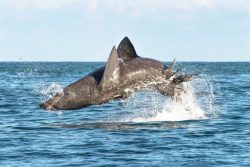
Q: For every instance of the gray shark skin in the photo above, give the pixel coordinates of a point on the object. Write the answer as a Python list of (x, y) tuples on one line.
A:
[(124, 73)]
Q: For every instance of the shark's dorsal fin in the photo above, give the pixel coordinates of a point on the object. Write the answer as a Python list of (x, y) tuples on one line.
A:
[(126, 50), (111, 72)]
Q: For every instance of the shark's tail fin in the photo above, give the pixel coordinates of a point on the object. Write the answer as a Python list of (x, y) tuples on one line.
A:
[(175, 80), (174, 86), (169, 72), (182, 78)]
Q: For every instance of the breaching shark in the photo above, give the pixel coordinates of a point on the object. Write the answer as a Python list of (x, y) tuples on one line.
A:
[(124, 73)]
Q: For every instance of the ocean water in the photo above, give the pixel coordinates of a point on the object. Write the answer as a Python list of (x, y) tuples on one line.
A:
[(208, 126)]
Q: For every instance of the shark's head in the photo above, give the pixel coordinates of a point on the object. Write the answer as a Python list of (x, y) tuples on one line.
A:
[(104, 84), (53, 103), (86, 91), (74, 96)]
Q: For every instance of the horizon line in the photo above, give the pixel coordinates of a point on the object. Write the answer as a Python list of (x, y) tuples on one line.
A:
[(55, 61)]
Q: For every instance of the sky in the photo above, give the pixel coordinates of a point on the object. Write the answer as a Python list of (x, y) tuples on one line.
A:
[(86, 30)]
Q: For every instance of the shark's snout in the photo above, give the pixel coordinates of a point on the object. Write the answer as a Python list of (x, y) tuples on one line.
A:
[(51, 104), (124, 71), (43, 105), (47, 105)]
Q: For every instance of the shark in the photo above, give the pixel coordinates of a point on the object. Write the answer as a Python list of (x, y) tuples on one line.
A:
[(124, 73)]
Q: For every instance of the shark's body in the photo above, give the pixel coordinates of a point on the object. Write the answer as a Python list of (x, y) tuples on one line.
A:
[(124, 73)]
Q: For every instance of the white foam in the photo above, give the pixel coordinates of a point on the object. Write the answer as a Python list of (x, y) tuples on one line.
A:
[(185, 108), (196, 102), (51, 90)]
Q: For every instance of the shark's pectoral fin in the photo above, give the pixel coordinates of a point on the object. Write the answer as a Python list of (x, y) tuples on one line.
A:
[(126, 50), (111, 72)]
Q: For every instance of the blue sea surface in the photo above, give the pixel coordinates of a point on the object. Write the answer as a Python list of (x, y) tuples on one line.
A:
[(209, 127)]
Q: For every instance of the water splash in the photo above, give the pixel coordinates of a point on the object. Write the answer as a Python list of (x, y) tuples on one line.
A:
[(51, 90), (196, 102)]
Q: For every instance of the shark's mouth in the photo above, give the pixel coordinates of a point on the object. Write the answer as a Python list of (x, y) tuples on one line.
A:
[(125, 70), (50, 104), (47, 105)]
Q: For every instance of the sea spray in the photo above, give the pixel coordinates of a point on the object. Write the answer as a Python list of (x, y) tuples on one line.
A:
[(184, 107), (49, 91), (196, 102), (143, 104), (203, 90)]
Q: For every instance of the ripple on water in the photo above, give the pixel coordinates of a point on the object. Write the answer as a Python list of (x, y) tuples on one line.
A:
[(145, 130)]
